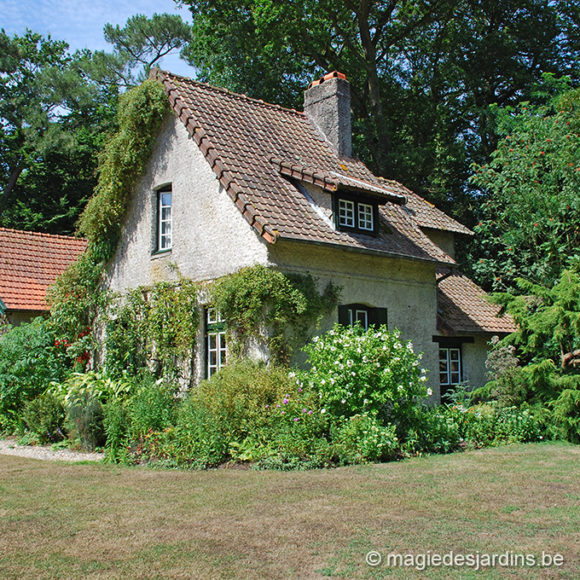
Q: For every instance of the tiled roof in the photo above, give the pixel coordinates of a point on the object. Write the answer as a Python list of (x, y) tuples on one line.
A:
[(464, 308), (248, 143), (30, 262), (424, 212)]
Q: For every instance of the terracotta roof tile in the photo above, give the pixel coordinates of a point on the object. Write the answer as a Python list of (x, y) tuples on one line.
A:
[(30, 262), (464, 308), (240, 137)]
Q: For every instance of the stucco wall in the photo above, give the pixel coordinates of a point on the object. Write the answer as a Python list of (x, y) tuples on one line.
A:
[(407, 289), (210, 237), (474, 355), (445, 240)]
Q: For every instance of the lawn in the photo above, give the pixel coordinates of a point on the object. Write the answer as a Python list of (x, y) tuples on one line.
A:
[(100, 521)]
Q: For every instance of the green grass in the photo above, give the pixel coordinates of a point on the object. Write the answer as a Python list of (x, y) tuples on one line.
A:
[(98, 521)]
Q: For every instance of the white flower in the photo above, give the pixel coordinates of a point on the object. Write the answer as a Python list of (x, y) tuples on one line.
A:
[(291, 375), (323, 382), (315, 339), (323, 411), (343, 401), (410, 346), (423, 378), (429, 392), (400, 388), (366, 402), (349, 363)]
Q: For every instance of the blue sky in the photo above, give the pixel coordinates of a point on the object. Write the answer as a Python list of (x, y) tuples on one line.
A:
[(80, 22)]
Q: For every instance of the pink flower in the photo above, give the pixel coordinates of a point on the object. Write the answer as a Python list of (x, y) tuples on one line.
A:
[(296, 419), (285, 401), (305, 410)]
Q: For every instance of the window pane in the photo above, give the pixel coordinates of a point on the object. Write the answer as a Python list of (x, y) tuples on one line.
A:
[(346, 213), (166, 199), (443, 379), (365, 216), (362, 317)]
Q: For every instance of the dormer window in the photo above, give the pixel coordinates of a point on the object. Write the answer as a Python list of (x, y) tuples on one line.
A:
[(354, 215)]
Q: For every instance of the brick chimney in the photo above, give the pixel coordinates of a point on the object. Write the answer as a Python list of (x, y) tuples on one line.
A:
[(327, 104)]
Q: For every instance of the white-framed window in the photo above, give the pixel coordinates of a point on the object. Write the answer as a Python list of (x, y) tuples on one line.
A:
[(355, 215), (366, 217), (216, 347), (359, 315), (449, 366), (366, 316), (346, 213), (164, 219)]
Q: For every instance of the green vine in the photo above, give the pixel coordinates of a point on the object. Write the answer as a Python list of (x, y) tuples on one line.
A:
[(154, 327), (272, 307), (77, 296)]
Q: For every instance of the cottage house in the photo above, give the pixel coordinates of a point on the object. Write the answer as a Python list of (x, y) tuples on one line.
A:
[(30, 262), (235, 181)]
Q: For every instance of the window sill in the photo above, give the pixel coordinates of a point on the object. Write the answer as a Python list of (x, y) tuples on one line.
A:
[(160, 254)]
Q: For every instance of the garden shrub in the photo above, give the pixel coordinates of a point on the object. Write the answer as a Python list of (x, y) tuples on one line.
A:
[(44, 417), (366, 371), (83, 396), (116, 426), (151, 408), (362, 439), (436, 430), (29, 362)]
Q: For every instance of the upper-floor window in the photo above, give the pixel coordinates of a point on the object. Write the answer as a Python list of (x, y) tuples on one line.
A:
[(354, 215), (366, 316), (164, 218)]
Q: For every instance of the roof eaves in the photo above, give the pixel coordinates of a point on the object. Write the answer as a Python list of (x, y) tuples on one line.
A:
[(200, 137)]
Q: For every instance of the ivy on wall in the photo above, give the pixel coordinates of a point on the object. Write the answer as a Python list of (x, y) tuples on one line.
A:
[(77, 296), (156, 328), (272, 307)]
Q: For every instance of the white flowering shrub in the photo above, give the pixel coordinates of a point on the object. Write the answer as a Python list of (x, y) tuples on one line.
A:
[(365, 371)]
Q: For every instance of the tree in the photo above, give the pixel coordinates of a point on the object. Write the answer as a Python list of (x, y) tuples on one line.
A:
[(53, 122), (530, 223), (423, 73), (143, 41)]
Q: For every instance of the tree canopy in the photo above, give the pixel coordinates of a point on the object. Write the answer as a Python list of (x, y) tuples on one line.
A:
[(530, 220), (422, 73)]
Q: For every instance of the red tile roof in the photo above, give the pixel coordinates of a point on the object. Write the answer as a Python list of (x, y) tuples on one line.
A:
[(250, 144), (30, 262), (464, 308)]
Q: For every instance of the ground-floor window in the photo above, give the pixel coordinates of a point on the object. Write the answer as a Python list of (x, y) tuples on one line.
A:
[(367, 316), (216, 348), (449, 366)]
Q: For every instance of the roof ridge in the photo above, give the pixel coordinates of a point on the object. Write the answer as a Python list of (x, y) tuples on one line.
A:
[(44, 234), (225, 91)]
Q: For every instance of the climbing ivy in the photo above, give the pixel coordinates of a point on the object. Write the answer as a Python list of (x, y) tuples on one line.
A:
[(154, 327), (77, 296), (272, 307)]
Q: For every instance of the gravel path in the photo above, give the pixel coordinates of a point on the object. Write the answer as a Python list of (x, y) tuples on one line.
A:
[(11, 447)]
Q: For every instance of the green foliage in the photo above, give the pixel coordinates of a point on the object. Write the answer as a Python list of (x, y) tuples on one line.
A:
[(55, 115), (29, 362), (151, 408), (357, 370), (83, 396), (141, 112), (529, 225), (144, 41), (77, 296), (44, 417), (566, 409), (155, 327), (422, 73), (363, 438), (265, 304)]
